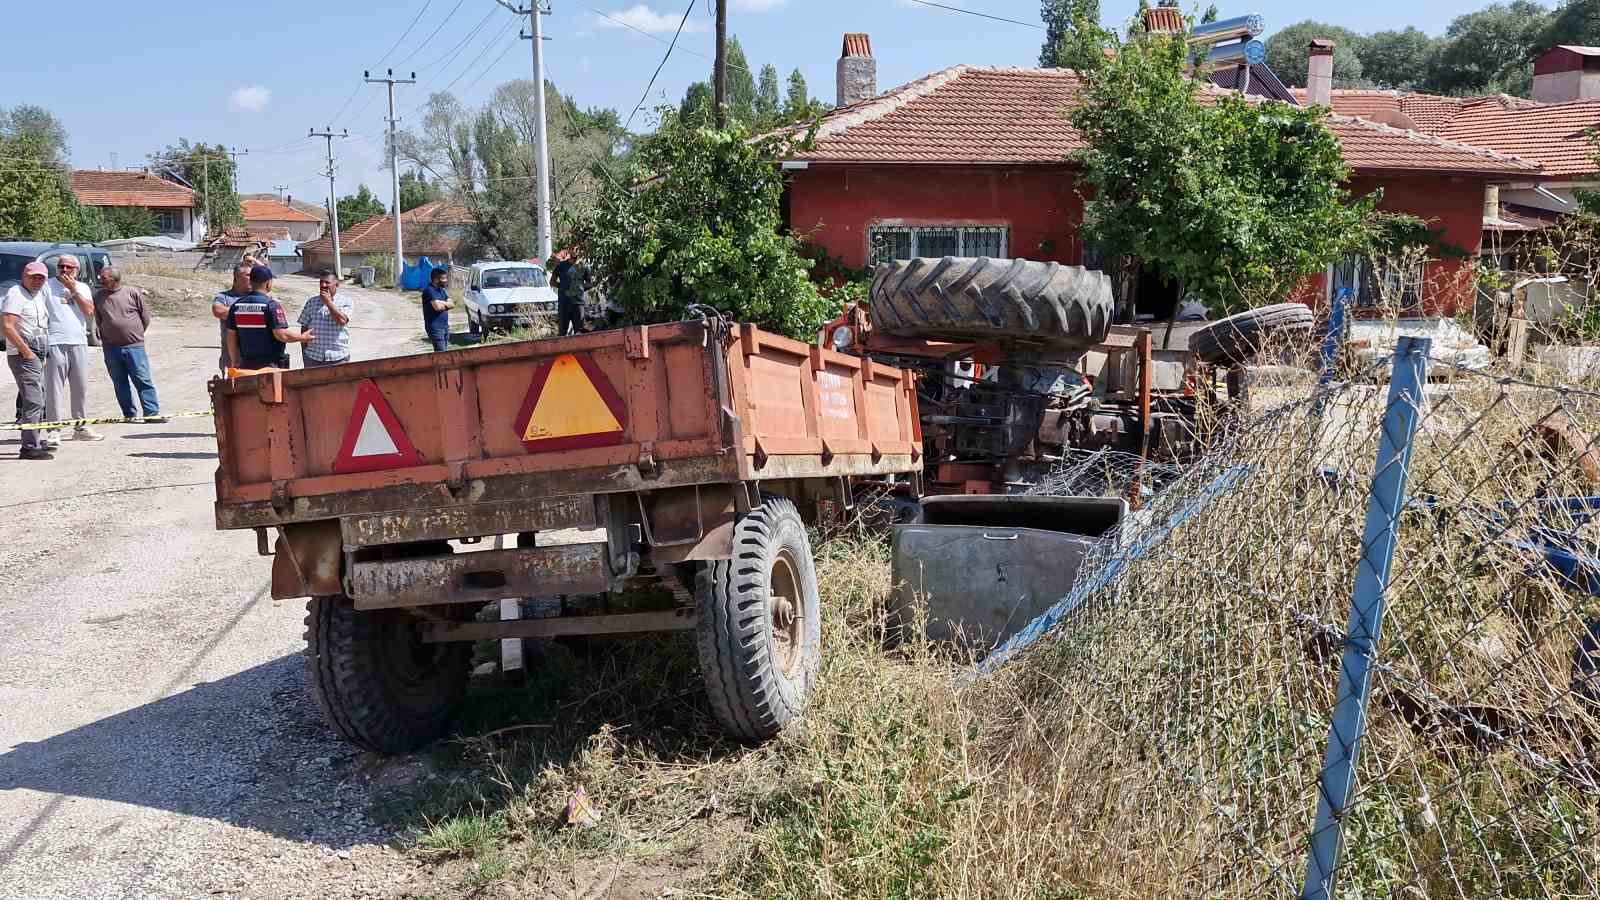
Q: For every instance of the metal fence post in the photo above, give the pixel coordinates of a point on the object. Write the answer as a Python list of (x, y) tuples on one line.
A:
[(1333, 339), (1385, 502)]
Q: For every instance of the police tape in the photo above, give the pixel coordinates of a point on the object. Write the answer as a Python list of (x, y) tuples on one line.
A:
[(105, 420)]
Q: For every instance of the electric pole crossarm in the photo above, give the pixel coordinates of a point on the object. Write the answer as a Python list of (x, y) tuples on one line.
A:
[(541, 147), (333, 195)]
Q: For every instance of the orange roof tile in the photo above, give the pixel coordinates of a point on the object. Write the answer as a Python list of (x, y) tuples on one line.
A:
[(274, 211), (97, 188), (439, 212), (1164, 20), (1555, 134), (1007, 116), (376, 235), (857, 44)]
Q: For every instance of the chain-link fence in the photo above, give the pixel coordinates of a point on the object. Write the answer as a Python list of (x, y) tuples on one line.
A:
[(1354, 652)]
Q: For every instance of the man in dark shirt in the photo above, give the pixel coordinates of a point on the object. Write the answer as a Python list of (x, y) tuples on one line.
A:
[(258, 328), (572, 284), (436, 309)]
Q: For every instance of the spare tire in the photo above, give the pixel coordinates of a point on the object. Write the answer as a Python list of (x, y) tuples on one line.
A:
[(1236, 340), (963, 299)]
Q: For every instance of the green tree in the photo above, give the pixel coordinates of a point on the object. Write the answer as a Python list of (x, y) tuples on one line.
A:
[(210, 171), (416, 190), (128, 221), (797, 104), (1287, 54), (1073, 38), (1491, 50), (767, 100), (1237, 202), (1574, 22), (359, 207), (35, 201), (696, 220), (697, 101), (741, 85), (26, 120), (1398, 59)]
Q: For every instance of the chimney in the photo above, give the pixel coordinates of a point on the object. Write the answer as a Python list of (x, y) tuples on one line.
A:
[(1566, 73), (1319, 74), (1491, 203), (857, 70)]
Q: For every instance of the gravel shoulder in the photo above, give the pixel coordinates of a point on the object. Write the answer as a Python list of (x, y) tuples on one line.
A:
[(157, 737)]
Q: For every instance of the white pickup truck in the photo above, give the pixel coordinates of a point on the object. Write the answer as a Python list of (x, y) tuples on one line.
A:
[(503, 295)]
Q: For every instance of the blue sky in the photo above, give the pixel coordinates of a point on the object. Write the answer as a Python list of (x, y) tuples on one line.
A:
[(132, 79)]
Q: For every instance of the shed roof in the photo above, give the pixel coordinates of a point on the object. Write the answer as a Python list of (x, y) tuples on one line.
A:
[(274, 211)]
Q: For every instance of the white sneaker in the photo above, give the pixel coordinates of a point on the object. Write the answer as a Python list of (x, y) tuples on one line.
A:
[(51, 440), (87, 434)]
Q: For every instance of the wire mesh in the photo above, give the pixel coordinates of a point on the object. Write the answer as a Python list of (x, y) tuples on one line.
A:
[(1194, 691)]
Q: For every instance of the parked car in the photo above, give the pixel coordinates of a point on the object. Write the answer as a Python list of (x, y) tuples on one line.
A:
[(503, 295)]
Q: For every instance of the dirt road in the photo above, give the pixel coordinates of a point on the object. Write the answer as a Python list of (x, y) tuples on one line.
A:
[(157, 738)]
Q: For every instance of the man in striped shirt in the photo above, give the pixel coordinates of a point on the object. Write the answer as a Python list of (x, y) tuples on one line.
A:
[(258, 328)]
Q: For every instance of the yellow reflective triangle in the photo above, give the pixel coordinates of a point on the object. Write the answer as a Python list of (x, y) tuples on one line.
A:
[(569, 405)]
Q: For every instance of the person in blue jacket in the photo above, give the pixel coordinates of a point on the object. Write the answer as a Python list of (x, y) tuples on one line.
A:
[(436, 309)]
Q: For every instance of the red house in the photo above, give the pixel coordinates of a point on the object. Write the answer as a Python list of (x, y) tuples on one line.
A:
[(973, 161)]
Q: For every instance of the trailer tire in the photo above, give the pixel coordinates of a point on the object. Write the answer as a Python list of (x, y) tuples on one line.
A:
[(1236, 340), (379, 686), (759, 632), (963, 299)]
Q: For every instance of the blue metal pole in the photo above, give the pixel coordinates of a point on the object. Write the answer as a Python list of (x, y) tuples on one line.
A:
[(1334, 338), (1387, 499)]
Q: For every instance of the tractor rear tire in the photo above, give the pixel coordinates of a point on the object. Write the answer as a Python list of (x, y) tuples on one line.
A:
[(759, 633), (965, 299), (1238, 339), (378, 684)]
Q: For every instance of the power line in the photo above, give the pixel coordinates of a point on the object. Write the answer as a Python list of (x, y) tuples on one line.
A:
[(454, 51), (980, 15), (435, 33), (655, 37), (404, 34), (670, 47)]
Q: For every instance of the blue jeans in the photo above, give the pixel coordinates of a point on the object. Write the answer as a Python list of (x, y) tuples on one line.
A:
[(440, 339), (130, 364)]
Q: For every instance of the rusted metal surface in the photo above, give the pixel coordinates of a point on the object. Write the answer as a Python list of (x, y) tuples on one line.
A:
[(470, 520), (307, 561), (479, 577), (626, 623), (1563, 444), (693, 403)]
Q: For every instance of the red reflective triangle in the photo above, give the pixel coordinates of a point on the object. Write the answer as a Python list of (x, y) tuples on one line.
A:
[(373, 439)]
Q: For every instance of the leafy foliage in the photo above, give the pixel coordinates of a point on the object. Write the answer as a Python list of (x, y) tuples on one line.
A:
[(1236, 201), (416, 190), (767, 107), (211, 172), (1073, 38), (797, 103), (1490, 50), (26, 120), (755, 105), (35, 200), (359, 207), (697, 221), (1287, 58), (1398, 59)]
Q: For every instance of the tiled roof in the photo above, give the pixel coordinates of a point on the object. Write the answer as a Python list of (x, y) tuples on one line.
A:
[(274, 211), (97, 188), (963, 114), (1555, 134), (1426, 111), (376, 235), (439, 212), (236, 239), (1007, 116)]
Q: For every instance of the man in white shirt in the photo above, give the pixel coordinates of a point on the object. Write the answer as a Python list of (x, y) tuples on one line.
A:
[(25, 321), (66, 368)]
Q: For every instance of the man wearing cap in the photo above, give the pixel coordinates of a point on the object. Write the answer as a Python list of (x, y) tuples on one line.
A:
[(66, 368), (25, 320), (258, 328), (123, 317)]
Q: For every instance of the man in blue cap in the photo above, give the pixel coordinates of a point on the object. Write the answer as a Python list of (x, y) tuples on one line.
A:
[(258, 328)]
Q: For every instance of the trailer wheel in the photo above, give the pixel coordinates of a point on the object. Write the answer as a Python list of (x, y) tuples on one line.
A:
[(378, 685), (963, 299), (760, 624)]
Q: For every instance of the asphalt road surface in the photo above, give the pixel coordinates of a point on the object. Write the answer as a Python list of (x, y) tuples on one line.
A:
[(157, 734)]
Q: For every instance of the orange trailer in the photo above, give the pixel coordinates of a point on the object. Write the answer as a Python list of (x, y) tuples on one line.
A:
[(406, 493)]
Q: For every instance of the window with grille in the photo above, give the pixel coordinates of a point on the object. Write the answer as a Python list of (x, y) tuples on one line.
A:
[(891, 242), (168, 220), (1389, 282)]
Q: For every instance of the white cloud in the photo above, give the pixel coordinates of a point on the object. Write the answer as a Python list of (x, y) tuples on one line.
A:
[(758, 5), (648, 20), (250, 99)]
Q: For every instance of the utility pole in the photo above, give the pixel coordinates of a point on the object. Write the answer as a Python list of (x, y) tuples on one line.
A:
[(280, 188), (541, 150), (205, 185), (394, 168), (333, 195), (719, 69)]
